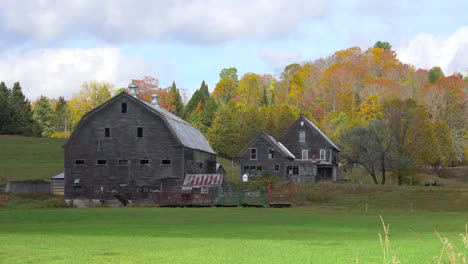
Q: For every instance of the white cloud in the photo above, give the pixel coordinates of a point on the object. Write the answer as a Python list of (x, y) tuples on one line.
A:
[(60, 72), (426, 50), (279, 58), (196, 21)]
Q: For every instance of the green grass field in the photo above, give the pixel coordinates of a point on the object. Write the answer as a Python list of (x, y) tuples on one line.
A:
[(219, 235), (30, 158)]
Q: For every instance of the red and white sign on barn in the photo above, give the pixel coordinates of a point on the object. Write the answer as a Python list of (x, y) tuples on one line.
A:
[(203, 180)]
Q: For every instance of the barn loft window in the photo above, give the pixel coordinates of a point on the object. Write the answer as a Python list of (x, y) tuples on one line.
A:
[(305, 154), (139, 132), (253, 154), (101, 162), (144, 162), (323, 154), (271, 153), (79, 162), (123, 108), (166, 162), (123, 162), (301, 136), (276, 167), (107, 132)]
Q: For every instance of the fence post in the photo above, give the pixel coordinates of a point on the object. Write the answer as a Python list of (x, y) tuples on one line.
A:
[(268, 194)]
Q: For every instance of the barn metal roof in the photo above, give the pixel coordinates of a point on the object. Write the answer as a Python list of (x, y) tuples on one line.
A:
[(188, 135), (59, 176)]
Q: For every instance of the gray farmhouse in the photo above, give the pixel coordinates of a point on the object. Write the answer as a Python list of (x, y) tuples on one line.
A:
[(129, 147), (302, 154)]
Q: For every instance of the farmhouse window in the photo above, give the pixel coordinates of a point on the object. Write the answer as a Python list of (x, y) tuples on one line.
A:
[(123, 162), (80, 162), (323, 154), (124, 108), (166, 162), (294, 170), (277, 167), (259, 168), (107, 132), (252, 168), (101, 162), (145, 189), (301, 136), (246, 168), (139, 132), (305, 154), (271, 153), (253, 154), (144, 162)]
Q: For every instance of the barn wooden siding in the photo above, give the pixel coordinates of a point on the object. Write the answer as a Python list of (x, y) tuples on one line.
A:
[(134, 165)]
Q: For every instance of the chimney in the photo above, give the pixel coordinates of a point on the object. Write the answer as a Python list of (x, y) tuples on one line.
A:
[(133, 89), (154, 101)]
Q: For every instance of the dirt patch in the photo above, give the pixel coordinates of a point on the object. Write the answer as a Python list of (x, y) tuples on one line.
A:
[(4, 199)]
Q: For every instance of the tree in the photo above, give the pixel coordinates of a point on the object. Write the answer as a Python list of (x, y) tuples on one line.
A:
[(43, 115), (60, 116), (199, 96), (179, 106), (369, 147), (382, 45), (90, 95), (21, 122), (147, 87), (264, 101), (5, 109), (447, 155), (229, 73), (435, 73), (224, 134)]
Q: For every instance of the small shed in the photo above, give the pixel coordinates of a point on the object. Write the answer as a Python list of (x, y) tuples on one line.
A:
[(28, 186), (58, 184)]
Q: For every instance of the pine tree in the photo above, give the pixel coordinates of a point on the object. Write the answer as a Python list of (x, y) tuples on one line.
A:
[(5, 109), (178, 99), (264, 101), (43, 116), (22, 121), (61, 114)]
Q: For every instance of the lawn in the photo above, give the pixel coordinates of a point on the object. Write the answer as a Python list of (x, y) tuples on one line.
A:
[(30, 158), (219, 235)]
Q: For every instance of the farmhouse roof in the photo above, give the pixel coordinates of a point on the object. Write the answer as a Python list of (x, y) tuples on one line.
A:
[(275, 143), (186, 134), (311, 124)]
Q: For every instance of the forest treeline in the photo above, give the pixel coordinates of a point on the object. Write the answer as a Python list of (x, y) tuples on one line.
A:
[(384, 114)]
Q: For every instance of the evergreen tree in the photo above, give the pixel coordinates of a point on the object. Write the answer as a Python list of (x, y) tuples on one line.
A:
[(22, 121), (178, 99), (5, 109), (61, 114), (43, 116), (199, 96), (264, 101), (272, 101)]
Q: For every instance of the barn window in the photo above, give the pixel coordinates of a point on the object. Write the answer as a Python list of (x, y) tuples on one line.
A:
[(302, 136), (305, 154), (101, 162), (323, 154), (123, 162), (139, 132), (144, 162), (76, 185), (79, 162), (253, 154), (166, 162), (124, 108), (277, 167), (271, 153), (107, 132)]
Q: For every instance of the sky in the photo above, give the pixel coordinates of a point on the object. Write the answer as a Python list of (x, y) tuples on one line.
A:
[(51, 46)]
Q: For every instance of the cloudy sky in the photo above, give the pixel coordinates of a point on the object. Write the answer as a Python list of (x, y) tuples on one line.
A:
[(52, 46)]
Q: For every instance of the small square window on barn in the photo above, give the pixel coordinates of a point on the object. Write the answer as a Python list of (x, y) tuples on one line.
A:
[(277, 167), (301, 136), (139, 132), (101, 162), (144, 162), (123, 108), (253, 153), (107, 132), (123, 162), (166, 162), (80, 162)]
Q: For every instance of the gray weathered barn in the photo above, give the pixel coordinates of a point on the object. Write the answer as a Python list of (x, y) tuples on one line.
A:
[(302, 154), (129, 147)]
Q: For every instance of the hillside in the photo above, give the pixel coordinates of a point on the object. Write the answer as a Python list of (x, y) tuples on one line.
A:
[(30, 157)]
